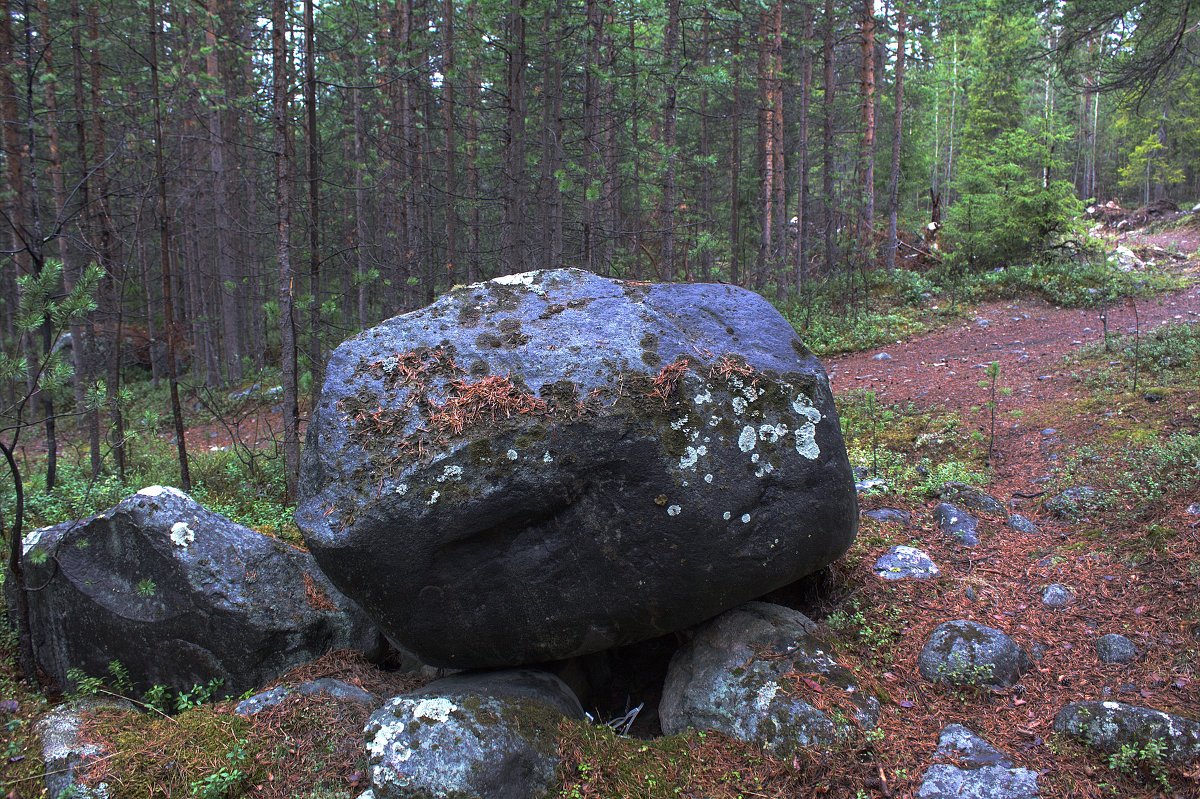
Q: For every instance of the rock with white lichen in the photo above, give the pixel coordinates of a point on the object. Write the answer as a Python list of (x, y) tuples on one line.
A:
[(485, 736), (178, 596), (554, 463), (757, 674), (1115, 726), (968, 767)]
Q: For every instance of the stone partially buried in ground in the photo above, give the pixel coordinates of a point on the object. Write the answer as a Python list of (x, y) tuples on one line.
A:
[(972, 498), (976, 770), (905, 563), (968, 653), (957, 523), (554, 463), (63, 750), (1111, 726), (489, 735), (1075, 503), (732, 676), (1115, 648), (179, 596)]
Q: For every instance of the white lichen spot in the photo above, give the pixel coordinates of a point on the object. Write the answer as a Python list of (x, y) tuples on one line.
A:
[(739, 406), (451, 473), (155, 491), (765, 469), (726, 515), (546, 458), (182, 535), (401, 489), (806, 442), (679, 424), (747, 439), (708, 478), (674, 510), (378, 745), (691, 455), (713, 421), (512, 455), (772, 432), (705, 398), (31, 540), (745, 518), (438, 708), (764, 696), (754, 458), (520, 279), (803, 406), (433, 498)]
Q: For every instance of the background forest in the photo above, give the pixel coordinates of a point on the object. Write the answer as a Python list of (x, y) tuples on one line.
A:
[(264, 181)]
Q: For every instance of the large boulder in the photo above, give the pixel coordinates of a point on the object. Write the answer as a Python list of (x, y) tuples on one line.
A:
[(179, 596), (747, 673), (1113, 726), (554, 463)]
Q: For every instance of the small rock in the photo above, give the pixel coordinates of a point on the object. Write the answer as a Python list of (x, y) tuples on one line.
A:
[(1057, 595), (894, 515), (1022, 525), (731, 677), (1075, 503), (883, 356), (870, 484), (1115, 648), (476, 737), (956, 522), (970, 594), (1110, 726), (905, 563), (1049, 431), (968, 653), (336, 689), (968, 496), (1194, 509), (63, 752), (976, 769)]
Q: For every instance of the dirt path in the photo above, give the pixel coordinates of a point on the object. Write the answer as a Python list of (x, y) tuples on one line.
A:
[(1030, 339)]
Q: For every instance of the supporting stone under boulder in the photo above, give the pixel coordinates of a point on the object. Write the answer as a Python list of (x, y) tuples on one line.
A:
[(554, 463), (737, 676), (179, 596)]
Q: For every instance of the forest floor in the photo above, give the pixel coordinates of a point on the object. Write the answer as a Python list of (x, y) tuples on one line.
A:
[(1064, 409)]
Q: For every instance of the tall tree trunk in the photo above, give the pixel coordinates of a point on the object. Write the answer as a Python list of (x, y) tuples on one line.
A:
[(512, 246), (830, 90), (867, 155), (636, 146), (766, 148), (897, 137), (360, 197), (474, 271), (800, 266), (706, 168), (451, 180), (230, 289), (164, 246), (673, 61), (282, 146), (735, 154), (312, 136), (552, 136), (589, 233)]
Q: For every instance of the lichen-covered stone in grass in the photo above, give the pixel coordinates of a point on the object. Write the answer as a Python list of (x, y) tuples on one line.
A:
[(335, 689), (63, 751), (554, 463), (1115, 648), (905, 563), (890, 515), (180, 596), (973, 498), (1076, 503), (1109, 726), (481, 736), (977, 770), (965, 652), (733, 676), (957, 523)]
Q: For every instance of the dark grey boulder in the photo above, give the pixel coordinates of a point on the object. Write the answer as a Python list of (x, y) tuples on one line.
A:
[(977, 770), (1076, 503), (1109, 726), (1115, 648), (1022, 525), (552, 464), (968, 653), (179, 596), (335, 689), (957, 523), (730, 677), (972, 498), (905, 563), (482, 736), (1057, 596), (891, 515), (63, 751)]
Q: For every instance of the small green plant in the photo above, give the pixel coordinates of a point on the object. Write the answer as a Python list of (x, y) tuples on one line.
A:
[(85, 685), (992, 378), (147, 588), (962, 673), (1150, 757), (224, 783), (198, 695), (158, 697)]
